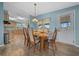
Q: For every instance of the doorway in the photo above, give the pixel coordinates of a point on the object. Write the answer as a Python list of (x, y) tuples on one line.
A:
[(67, 31)]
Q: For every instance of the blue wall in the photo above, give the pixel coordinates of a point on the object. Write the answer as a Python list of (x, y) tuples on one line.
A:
[(32, 24), (54, 17), (1, 24)]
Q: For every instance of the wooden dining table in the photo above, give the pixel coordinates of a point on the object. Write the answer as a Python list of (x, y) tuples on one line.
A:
[(43, 38)]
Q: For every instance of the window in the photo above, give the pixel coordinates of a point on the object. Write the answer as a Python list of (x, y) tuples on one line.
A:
[(46, 25), (65, 24), (21, 25), (40, 26), (65, 21)]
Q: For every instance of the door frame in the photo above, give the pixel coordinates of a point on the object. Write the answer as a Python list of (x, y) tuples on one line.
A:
[(75, 32), (73, 15)]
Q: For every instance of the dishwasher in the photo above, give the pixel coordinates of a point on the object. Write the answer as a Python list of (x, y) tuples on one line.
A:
[(6, 38)]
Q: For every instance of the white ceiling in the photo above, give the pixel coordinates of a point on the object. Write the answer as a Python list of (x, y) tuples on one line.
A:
[(27, 8)]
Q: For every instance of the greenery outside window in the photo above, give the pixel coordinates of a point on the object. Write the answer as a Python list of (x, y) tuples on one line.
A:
[(65, 22)]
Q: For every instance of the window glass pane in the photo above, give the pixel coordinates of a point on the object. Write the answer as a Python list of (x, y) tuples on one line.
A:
[(65, 24), (47, 26)]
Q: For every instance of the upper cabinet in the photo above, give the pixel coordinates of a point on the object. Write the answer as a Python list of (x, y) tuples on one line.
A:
[(6, 17)]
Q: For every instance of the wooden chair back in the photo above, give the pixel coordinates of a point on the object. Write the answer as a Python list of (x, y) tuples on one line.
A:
[(54, 34), (26, 36)]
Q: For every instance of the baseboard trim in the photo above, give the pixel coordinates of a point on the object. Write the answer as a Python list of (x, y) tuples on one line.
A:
[(2, 45), (69, 44), (76, 45), (64, 42)]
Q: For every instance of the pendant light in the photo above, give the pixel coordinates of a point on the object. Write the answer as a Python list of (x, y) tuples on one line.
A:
[(35, 19)]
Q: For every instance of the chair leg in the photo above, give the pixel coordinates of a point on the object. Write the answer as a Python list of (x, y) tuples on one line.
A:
[(33, 49), (55, 46), (28, 43), (33, 46), (54, 52), (24, 42)]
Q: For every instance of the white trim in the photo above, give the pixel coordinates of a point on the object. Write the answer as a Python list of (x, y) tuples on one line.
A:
[(69, 44), (2, 45), (74, 30), (76, 45), (64, 42)]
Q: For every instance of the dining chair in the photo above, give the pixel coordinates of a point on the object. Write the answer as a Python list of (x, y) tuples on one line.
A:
[(34, 41), (26, 37), (52, 41)]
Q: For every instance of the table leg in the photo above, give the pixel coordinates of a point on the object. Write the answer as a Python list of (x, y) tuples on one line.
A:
[(41, 44)]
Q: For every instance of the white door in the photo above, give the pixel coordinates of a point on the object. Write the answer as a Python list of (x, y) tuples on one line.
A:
[(67, 36)]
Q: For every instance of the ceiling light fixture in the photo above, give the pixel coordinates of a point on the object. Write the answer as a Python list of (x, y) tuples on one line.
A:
[(35, 19)]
